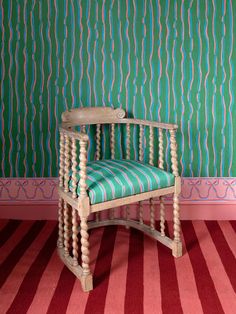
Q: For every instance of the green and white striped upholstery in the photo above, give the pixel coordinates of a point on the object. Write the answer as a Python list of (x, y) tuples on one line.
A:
[(111, 179)]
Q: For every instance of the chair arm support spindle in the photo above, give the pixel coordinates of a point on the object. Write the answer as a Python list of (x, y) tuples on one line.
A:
[(74, 168), (83, 129), (62, 151), (67, 164), (98, 141), (151, 150), (83, 170), (173, 152), (127, 141), (112, 141), (141, 131), (161, 150)]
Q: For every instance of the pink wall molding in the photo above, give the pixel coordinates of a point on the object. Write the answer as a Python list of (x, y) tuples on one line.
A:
[(28, 190), (44, 190), (36, 198)]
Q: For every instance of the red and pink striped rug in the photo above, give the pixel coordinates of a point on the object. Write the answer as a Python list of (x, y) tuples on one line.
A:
[(132, 273)]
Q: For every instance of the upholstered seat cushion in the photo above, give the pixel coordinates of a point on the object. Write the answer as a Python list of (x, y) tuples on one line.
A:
[(111, 179)]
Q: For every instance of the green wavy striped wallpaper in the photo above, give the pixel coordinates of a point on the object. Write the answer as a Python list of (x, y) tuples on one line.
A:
[(168, 60)]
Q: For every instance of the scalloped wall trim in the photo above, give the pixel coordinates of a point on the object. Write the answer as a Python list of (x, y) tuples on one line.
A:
[(44, 190)]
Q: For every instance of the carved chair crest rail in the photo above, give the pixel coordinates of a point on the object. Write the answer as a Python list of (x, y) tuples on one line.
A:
[(115, 175)]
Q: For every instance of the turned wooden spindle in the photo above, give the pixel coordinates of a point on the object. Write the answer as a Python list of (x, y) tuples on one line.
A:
[(127, 212), (60, 224), (161, 166), (141, 213), (141, 131), (151, 146), (84, 245), (112, 141), (174, 166), (83, 169), (74, 168), (161, 150), (176, 220), (127, 141), (151, 158), (98, 141), (66, 230), (66, 189), (152, 214), (83, 128), (67, 164), (173, 152), (61, 184), (62, 158), (83, 219), (127, 156), (75, 236), (162, 216), (112, 211), (98, 153)]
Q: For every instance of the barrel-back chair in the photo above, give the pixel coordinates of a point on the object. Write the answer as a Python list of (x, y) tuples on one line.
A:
[(92, 180)]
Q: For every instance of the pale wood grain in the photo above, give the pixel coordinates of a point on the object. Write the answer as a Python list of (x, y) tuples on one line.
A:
[(127, 141), (84, 245), (66, 230), (83, 169), (75, 236), (98, 141), (73, 134), (140, 212), (60, 223), (74, 168), (161, 166), (161, 150), (112, 141), (61, 160), (98, 150), (92, 115), (67, 163), (141, 154), (173, 151), (72, 205), (152, 214), (151, 146), (86, 281), (162, 216)]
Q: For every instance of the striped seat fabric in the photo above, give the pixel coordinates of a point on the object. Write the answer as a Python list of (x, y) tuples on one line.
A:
[(111, 179)]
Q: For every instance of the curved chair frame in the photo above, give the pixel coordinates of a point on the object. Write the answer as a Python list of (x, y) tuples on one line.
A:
[(75, 208)]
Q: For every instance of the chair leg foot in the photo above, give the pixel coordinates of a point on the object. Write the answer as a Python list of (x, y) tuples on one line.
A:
[(177, 249), (87, 282)]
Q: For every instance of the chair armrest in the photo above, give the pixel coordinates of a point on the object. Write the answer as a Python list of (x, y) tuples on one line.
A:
[(167, 126), (74, 134), (68, 161)]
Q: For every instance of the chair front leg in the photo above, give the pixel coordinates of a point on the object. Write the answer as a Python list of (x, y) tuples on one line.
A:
[(177, 244), (86, 279)]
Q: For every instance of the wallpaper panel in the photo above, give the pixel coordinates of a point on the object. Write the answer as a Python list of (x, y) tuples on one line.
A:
[(171, 61)]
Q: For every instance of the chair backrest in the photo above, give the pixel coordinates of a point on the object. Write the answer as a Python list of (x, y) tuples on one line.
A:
[(92, 115), (112, 135)]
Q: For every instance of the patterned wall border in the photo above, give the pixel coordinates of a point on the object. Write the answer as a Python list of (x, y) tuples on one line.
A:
[(44, 190)]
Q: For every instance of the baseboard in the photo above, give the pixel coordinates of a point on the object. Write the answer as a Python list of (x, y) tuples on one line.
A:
[(37, 198)]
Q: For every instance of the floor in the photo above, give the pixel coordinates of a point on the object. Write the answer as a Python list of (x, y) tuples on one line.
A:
[(132, 273)]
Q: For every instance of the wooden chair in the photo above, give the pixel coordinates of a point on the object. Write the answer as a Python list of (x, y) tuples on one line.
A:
[(98, 184)]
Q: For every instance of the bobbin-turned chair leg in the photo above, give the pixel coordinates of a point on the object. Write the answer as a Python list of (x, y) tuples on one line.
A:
[(86, 278), (162, 216), (60, 239), (177, 244)]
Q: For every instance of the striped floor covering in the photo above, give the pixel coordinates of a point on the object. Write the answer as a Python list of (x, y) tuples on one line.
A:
[(133, 274)]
